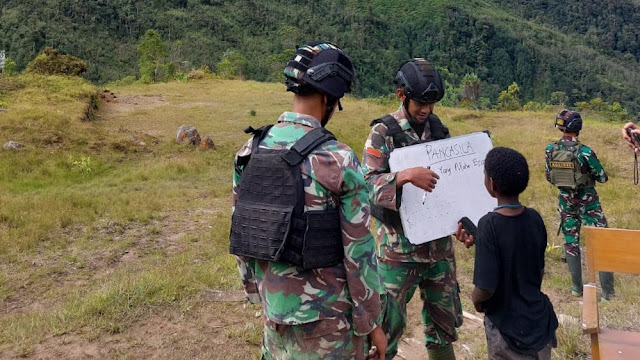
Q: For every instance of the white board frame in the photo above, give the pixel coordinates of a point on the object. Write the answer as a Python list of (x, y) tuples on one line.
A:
[(460, 191)]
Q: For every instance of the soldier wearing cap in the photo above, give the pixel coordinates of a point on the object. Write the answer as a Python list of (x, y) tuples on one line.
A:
[(403, 265), (574, 169), (300, 223)]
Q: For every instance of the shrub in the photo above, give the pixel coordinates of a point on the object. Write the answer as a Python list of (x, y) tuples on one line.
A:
[(49, 62), (533, 106), (127, 80), (558, 98), (9, 67)]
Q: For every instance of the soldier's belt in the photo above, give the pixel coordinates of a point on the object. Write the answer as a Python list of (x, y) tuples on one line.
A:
[(561, 164)]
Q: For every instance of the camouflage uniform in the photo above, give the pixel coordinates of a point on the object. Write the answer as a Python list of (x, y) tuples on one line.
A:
[(405, 266), (581, 205), (325, 312)]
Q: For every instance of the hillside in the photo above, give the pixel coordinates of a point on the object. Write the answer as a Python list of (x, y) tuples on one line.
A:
[(586, 49), (114, 238)]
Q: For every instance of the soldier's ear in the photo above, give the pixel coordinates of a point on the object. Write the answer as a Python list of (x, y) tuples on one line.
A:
[(400, 94)]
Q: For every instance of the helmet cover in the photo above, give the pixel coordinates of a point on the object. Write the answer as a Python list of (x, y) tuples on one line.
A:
[(420, 81), (319, 66)]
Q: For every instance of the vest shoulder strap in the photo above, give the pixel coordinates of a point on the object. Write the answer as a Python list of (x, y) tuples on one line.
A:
[(306, 144), (393, 129), (438, 130), (391, 124), (258, 136)]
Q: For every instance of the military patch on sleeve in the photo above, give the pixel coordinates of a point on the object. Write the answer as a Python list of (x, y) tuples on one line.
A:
[(374, 152), (561, 164)]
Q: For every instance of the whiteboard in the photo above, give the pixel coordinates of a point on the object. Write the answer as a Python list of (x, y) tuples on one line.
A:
[(460, 191)]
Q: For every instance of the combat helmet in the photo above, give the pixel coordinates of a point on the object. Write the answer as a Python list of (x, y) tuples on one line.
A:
[(319, 66), (568, 121), (420, 81)]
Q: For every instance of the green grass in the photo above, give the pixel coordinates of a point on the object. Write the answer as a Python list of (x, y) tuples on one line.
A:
[(91, 255)]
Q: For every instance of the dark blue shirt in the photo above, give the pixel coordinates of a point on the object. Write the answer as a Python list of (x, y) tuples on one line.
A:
[(509, 261)]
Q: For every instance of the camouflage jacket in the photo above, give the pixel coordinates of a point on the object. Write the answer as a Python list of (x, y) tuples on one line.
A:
[(332, 178), (382, 187), (589, 164)]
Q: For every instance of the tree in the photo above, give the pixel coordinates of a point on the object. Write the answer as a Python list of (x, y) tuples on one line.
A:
[(277, 62), (558, 98), (153, 55), (470, 89), (509, 99), (233, 64)]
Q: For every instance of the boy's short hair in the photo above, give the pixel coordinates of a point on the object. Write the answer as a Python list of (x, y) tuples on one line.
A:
[(508, 169)]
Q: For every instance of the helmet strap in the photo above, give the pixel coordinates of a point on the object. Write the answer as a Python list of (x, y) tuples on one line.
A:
[(331, 104), (410, 117)]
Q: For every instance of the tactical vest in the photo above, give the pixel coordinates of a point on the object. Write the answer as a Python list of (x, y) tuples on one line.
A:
[(564, 166), (438, 132), (269, 221)]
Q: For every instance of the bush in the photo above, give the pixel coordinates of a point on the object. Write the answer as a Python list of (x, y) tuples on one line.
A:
[(533, 106), (127, 80), (49, 62), (483, 103), (581, 105), (558, 98), (9, 67), (232, 65), (386, 100)]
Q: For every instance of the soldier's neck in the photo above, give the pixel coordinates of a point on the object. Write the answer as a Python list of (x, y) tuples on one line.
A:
[(311, 104)]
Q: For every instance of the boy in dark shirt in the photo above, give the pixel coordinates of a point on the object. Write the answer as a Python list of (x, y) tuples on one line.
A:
[(509, 264)]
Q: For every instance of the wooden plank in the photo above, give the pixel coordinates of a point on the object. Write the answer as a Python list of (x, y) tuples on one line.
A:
[(595, 347), (589, 309), (615, 250), (619, 345)]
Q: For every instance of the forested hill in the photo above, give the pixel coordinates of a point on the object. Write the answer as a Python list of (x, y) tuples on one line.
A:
[(584, 48)]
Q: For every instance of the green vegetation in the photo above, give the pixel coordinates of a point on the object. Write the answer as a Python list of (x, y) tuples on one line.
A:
[(153, 58), (49, 62), (582, 48), (111, 246)]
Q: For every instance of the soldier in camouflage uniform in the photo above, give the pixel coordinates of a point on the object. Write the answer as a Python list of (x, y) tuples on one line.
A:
[(574, 168), (403, 265), (328, 312)]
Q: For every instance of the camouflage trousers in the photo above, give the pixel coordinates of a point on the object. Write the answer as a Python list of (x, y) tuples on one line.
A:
[(322, 339), (576, 210), (439, 291)]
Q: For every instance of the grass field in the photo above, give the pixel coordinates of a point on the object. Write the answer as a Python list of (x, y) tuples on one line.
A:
[(114, 238)]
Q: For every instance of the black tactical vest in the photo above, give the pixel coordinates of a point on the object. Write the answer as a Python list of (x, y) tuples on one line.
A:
[(438, 132), (269, 221)]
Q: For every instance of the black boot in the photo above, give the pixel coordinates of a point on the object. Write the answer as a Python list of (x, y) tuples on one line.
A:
[(441, 353), (606, 281), (575, 269)]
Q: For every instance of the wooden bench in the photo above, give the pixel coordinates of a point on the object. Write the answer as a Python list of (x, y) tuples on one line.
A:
[(618, 251)]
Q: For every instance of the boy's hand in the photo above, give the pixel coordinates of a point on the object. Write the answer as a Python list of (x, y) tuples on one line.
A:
[(463, 237), (379, 340)]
